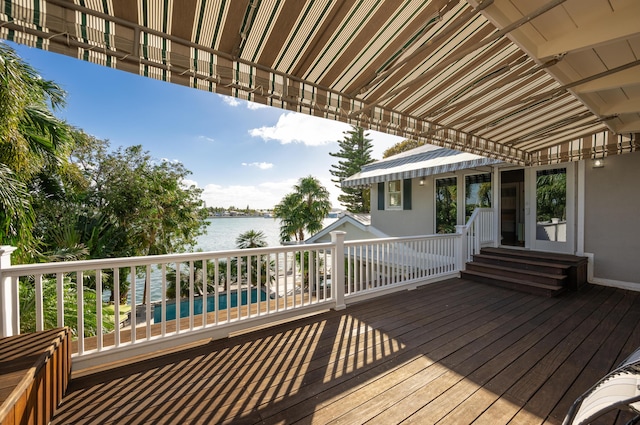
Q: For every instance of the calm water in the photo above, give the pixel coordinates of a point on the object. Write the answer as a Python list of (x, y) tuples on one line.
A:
[(221, 236), (222, 232)]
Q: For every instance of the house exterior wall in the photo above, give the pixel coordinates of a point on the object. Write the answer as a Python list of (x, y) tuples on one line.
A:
[(612, 218), (419, 220)]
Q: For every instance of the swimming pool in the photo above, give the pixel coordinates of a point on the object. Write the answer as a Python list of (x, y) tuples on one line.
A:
[(224, 299)]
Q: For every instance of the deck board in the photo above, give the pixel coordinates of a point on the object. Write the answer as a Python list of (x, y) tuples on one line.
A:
[(451, 352)]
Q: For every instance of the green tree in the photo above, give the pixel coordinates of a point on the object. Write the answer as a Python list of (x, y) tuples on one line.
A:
[(33, 145), (405, 145), (70, 311), (355, 152), (303, 210)]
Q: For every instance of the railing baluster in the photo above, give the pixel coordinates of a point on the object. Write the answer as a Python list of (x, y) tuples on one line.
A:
[(133, 314), (163, 299), (178, 297), (116, 303), (80, 311), (39, 306), (191, 295), (60, 299), (205, 292), (147, 307), (99, 331)]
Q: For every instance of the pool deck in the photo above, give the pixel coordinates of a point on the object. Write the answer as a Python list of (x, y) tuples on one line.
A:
[(454, 352)]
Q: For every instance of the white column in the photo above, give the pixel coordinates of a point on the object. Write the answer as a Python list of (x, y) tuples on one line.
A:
[(8, 312), (337, 275), (461, 247)]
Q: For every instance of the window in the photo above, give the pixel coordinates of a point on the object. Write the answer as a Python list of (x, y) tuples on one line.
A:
[(394, 194), (477, 193), (446, 205)]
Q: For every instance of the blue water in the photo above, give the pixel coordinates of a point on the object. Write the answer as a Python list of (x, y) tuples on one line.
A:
[(232, 299)]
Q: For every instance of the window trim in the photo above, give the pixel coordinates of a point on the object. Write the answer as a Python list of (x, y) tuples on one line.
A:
[(387, 195)]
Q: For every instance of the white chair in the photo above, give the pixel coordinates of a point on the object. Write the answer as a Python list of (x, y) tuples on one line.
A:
[(619, 389)]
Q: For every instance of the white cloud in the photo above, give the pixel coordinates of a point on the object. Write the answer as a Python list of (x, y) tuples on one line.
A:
[(262, 196), (256, 105), (187, 183), (230, 100), (260, 165), (206, 139), (299, 128), (234, 102)]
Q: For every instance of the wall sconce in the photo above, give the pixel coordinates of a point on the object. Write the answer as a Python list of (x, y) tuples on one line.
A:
[(598, 163), (421, 182)]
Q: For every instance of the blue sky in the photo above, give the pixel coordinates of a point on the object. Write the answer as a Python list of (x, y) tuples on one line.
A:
[(241, 153)]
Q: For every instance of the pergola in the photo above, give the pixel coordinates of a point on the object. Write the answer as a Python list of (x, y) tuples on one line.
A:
[(525, 81)]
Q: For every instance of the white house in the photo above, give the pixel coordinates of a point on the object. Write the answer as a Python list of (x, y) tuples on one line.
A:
[(598, 218)]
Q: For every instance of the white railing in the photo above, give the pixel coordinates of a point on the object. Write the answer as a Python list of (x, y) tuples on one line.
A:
[(383, 265), (222, 292), (478, 232)]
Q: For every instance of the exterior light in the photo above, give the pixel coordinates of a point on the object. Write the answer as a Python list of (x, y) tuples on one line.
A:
[(598, 163), (421, 182)]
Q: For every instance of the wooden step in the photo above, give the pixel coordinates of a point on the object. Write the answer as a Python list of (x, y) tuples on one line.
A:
[(523, 264), (577, 272), (511, 283), (527, 275), (550, 257)]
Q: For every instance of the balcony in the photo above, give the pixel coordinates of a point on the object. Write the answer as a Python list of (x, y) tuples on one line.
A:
[(400, 339), (449, 352)]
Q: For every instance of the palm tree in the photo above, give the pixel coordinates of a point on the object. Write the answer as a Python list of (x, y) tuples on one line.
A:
[(303, 210), (251, 239), (33, 143)]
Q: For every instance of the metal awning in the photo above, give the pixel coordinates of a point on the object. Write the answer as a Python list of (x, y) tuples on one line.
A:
[(526, 81), (420, 162)]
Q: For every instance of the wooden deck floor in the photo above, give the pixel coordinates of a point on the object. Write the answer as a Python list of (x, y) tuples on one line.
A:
[(454, 352)]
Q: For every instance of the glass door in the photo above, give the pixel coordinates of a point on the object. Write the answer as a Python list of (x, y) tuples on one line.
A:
[(512, 218), (554, 208)]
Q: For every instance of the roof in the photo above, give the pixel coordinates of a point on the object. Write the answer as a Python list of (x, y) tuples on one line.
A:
[(525, 81), (420, 162), (360, 221)]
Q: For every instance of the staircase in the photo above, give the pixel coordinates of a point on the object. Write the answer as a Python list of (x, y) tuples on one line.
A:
[(534, 272)]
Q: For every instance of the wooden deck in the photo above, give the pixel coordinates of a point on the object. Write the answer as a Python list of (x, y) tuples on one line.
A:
[(454, 352)]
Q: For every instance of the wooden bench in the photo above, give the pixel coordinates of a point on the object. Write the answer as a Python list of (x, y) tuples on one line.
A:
[(34, 373)]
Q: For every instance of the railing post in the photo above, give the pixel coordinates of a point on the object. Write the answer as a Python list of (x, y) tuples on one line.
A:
[(337, 278), (8, 312), (461, 246)]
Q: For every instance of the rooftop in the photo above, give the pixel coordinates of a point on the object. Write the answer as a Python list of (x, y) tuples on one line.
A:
[(449, 352)]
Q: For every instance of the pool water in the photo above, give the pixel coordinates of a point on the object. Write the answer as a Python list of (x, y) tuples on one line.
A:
[(224, 300)]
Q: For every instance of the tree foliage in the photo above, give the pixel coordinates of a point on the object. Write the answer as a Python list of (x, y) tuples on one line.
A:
[(405, 145), (303, 210), (355, 153), (33, 145)]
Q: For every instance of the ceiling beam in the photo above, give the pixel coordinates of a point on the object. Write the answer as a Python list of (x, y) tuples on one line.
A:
[(624, 78), (621, 23)]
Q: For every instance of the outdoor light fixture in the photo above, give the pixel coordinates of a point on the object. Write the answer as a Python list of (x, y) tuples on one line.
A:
[(421, 182), (598, 163)]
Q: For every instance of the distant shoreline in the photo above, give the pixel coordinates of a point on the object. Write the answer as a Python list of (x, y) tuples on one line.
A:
[(238, 216)]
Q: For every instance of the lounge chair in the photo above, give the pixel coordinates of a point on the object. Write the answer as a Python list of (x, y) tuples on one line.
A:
[(618, 390)]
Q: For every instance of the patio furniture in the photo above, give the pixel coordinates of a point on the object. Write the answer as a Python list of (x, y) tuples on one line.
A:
[(619, 389)]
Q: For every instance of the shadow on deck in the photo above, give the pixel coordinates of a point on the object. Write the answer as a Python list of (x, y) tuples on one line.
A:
[(452, 352)]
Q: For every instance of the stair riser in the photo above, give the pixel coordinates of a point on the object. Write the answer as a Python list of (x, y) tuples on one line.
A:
[(515, 274), (507, 263), (512, 286)]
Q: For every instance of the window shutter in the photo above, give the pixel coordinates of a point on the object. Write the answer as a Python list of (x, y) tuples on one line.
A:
[(381, 196), (406, 194)]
